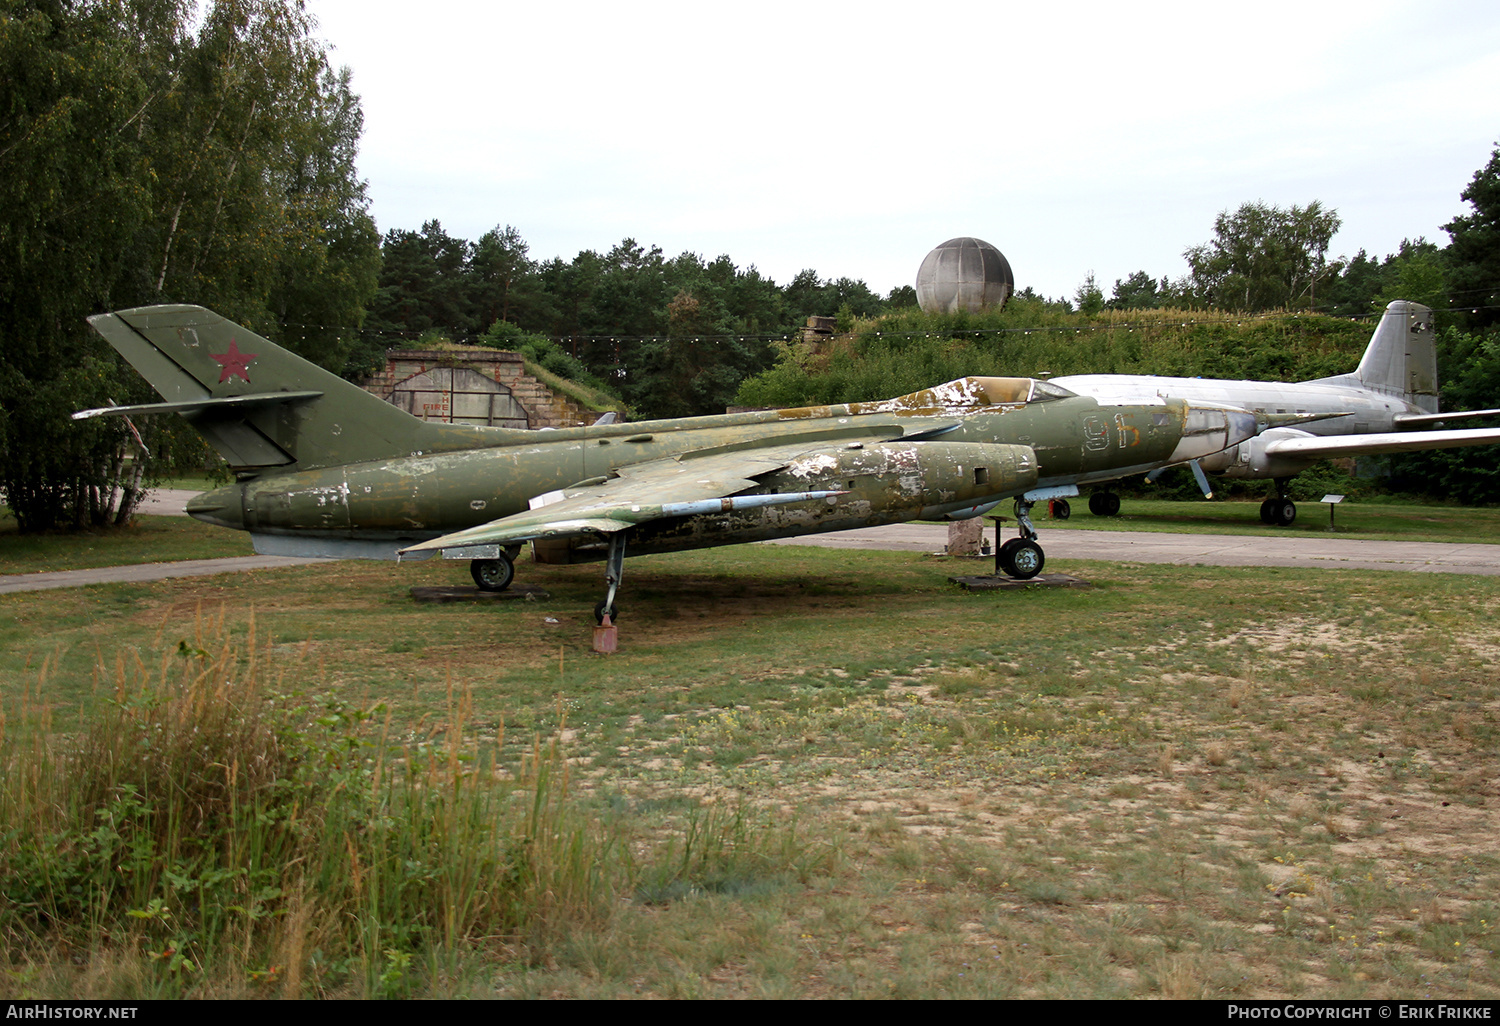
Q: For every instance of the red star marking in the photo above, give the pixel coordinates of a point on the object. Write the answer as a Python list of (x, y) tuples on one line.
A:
[(234, 362)]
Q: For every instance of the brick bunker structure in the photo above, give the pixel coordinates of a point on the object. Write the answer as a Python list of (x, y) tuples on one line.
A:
[(474, 386)]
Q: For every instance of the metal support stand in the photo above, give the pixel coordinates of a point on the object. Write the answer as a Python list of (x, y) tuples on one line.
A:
[(999, 523), (606, 637), (1333, 504)]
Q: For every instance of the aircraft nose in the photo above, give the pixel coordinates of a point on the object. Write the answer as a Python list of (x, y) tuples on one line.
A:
[(222, 506)]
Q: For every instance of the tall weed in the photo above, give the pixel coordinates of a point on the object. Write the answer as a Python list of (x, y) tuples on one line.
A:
[(213, 814)]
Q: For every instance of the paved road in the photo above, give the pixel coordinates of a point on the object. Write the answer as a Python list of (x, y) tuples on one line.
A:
[(1270, 549), (146, 572), (1209, 549), (166, 502), (162, 502)]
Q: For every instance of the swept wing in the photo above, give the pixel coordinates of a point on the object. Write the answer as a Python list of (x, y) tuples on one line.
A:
[(680, 486)]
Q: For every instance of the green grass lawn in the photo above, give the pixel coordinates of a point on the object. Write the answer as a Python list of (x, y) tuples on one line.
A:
[(1181, 782), (147, 540)]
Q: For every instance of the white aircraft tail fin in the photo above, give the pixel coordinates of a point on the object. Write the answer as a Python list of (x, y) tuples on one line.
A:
[(1401, 359)]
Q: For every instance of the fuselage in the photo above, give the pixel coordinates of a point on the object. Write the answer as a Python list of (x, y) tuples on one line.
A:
[(1361, 410), (1370, 410), (930, 454)]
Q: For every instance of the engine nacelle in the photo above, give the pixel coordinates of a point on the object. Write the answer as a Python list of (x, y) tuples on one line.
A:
[(905, 480), (1250, 460)]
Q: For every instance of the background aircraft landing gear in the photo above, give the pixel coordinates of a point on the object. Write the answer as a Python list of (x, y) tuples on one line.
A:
[(1058, 509), (1278, 512), (492, 574), (1281, 510), (1104, 504)]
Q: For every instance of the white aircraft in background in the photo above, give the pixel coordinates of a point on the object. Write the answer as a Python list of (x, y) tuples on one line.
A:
[(1393, 391)]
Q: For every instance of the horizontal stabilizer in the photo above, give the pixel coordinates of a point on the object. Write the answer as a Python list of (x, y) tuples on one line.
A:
[(1404, 420), (233, 402), (1317, 448)]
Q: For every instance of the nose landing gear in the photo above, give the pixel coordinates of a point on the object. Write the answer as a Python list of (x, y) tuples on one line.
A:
[(1021, 558)]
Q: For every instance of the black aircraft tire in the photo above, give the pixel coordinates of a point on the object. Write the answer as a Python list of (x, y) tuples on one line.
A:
[(600, 610), (1061, 510), (1004, 557), (1104, 504), (1265, 511), (1283, 512), (492, 574), (1026, 560)]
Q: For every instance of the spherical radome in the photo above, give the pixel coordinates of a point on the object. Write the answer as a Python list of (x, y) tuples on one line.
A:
[(964, 274)]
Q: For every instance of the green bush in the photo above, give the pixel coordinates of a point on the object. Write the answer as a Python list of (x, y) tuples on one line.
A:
[(908, 350)]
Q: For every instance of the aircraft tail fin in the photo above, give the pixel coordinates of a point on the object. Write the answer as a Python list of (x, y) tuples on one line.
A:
[(260, 405), (1401, 359)]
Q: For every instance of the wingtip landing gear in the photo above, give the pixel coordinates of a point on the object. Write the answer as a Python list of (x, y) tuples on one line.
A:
[(606, 612)]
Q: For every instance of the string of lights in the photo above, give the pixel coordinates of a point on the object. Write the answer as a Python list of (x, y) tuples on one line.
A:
[(1155, 323)]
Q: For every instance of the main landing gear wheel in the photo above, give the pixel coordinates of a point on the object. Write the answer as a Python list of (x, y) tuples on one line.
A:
[(492, 574), (1278, 512), (1104, 504), (1021, 558), (1060, 509), (600, 610)]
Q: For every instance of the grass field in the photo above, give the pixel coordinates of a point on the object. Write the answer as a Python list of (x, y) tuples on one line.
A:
[(1181, 782), (146, 540), (1362, 518)]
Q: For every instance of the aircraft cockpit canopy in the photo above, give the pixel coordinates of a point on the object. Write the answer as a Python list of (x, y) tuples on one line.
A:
[(1021, 390), (1041, 391)]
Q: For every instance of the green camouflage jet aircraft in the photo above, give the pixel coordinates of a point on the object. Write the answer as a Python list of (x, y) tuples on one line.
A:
[(325, 468)]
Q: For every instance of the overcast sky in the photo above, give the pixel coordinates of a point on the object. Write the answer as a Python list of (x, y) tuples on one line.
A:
[(853, 138)]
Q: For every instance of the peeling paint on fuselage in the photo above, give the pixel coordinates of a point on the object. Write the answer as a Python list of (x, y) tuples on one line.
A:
[(408, 499)]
